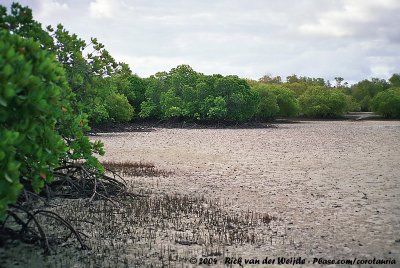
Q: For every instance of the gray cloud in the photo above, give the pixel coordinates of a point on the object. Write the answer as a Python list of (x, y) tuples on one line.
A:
[(349, 38)]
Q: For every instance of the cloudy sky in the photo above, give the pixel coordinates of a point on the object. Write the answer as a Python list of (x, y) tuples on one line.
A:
[(354, 39)]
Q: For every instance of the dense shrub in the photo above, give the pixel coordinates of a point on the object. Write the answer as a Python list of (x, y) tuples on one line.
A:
[(147, 109), (31, 85), (215, 108), (267, 107), (241, 101), (387, 103), (275, 100), (118, 108), (137, 87), (99, 112), (185, 94), (45, 85), (319, 101), (352, 105), (150, 107), (395, 80), (287, 102), (365, 90), (171, 105)]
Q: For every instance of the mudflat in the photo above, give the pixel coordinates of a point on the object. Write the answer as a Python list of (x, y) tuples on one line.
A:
[(335, 185)]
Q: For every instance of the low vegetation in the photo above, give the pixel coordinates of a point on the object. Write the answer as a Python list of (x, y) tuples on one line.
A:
[(387, 103), (129, 168)]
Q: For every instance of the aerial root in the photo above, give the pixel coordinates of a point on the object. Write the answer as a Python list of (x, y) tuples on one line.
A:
[(22, 228), (27, 220), (77, 181)]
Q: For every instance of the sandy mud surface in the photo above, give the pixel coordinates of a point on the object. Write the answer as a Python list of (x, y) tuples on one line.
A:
[(335, 185)]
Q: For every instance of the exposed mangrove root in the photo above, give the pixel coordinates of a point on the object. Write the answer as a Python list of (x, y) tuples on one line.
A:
[(135, 169), (139, 231), (30, 223), (28, 226), (155, 230), (77, 181)]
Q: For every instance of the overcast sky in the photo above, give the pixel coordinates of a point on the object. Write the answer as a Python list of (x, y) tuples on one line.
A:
[(354, 39)]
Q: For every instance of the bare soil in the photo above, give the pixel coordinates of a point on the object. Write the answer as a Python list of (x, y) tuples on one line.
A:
[(315, 189), (335, 184)]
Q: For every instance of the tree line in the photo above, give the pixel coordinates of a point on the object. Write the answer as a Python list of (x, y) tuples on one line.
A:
[(53, 85), (184, 94)]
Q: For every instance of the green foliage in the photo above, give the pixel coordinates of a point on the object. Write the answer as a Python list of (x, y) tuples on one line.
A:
[(171, 105), (215, 108), (42, 121), (30, 106), (118, 108), (387, 103), (287, 102), (267, 102), (83, 71), (20, 21), (395, 80), (50, 90), (150, 107), (269, 79), (147, 109), (352, 105), (190, 102), (365, 90), (275, 100), (99, 112), (131, 86), (93, 77), (319, 101), (308, 81), (241, 101), (137, 88), (182, 75), (298, 88), (178, 96), (122, 85), (109, 104), (185, 94), (10, 185)]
